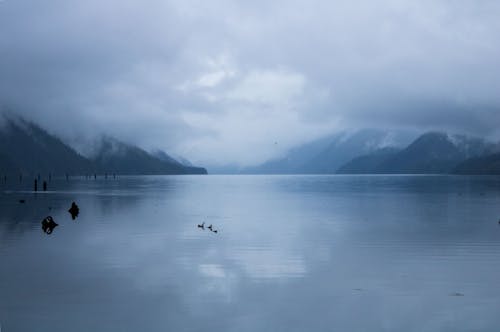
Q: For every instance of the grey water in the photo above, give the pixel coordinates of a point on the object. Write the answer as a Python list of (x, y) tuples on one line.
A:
[(292, 253)]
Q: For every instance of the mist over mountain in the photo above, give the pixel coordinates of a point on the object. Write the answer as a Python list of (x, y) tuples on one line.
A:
[(155, 76), (430, 153), (294, 161), (118, 157), (433, 152), (25, 148), (326, 155), (28, 149), (350, 145), (374, 151), (368, 163)]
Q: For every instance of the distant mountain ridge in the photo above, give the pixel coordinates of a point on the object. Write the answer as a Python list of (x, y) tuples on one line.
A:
[(25, 148), (372, 151), (294, 161), (326, 155), (351, 145), (121, 158), (430, 153), (367, 163), (484, 165)]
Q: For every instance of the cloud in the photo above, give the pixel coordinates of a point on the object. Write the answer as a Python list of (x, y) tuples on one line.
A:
[(222, 81), (267, 87)]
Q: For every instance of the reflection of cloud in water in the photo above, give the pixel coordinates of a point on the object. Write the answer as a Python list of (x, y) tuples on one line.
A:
[(217, 280), (270, 263), (212, 270), (283, 260)]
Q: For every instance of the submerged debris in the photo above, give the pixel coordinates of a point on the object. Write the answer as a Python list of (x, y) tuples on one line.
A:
[(74, 210), (48, 225)]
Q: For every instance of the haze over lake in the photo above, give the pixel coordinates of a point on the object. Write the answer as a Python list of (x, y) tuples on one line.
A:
[(244, 166), (292, 253)]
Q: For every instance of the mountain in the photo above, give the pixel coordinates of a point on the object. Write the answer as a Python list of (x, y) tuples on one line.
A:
[(163, 156), (350, 145), (325, 156), (7, 166), (489, 164), (293, 162), (113, 156), (27, 148), (434, 152), (368, 163)]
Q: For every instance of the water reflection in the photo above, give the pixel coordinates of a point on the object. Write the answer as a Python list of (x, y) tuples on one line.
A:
[(296, 254)]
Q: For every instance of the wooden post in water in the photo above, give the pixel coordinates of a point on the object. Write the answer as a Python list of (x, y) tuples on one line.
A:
[(44, 185), (36, 185)]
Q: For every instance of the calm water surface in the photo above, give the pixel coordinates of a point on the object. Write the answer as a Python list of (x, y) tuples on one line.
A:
[(292, 253)]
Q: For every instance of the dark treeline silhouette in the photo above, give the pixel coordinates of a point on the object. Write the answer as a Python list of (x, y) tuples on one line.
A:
[(26, 149), (483, 165)]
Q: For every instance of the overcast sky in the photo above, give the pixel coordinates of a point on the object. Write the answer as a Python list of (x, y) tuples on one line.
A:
[(221, 81)]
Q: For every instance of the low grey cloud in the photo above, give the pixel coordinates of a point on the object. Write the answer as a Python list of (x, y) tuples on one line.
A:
[(223, 81)]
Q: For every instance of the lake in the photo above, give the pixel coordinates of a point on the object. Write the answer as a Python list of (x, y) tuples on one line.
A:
[(292, 253)]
